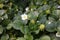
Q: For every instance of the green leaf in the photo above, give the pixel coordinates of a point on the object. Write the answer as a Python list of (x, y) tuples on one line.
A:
[(42, 19), (6, 22), (36, 39), (37, 31), (55, 15), (44, 7), (1, 12), (1, 18), (39, 2), (12, 38), (5, 16), (33, 15), (28, 37), (17, 24), (33, 27), (53, 36), (9, 26), (51, 27), (26, 30), (5, 37), (58, 28), (1, 29), (20, 38), (45, 38), (51, 19)]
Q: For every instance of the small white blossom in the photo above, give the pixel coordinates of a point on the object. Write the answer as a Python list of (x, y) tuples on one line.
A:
[(37, 21), (36, 13), (2, 18), (59, 19), (31, 9), (58, 12), (58, 6), (49, 22), (2, 12), (6, 1), (37, 3), (57, 35), (24, 16), (27, 9)]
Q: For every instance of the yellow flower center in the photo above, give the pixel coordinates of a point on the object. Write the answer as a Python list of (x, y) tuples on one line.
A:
[(32, 21), (47, 11), (25, 17), (42, 26), (1, 5), (45, 2), (10, 3)]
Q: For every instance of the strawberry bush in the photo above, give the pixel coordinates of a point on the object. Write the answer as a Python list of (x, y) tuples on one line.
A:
[(29, 19)]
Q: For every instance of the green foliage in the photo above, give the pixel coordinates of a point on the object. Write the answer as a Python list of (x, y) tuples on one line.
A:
[(1, 29), (22, 19), (45, 38), (5, 37), (21, 38)]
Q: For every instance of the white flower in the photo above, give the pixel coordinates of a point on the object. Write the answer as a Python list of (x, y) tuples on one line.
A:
[(58, 7), (58, 12), (31, 9), (57, 35), (59, 19), (24, 16), (37, 3), (37, 21), (49, 22), (36, 13), (2, 12), (27, 9), (2, 18)]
